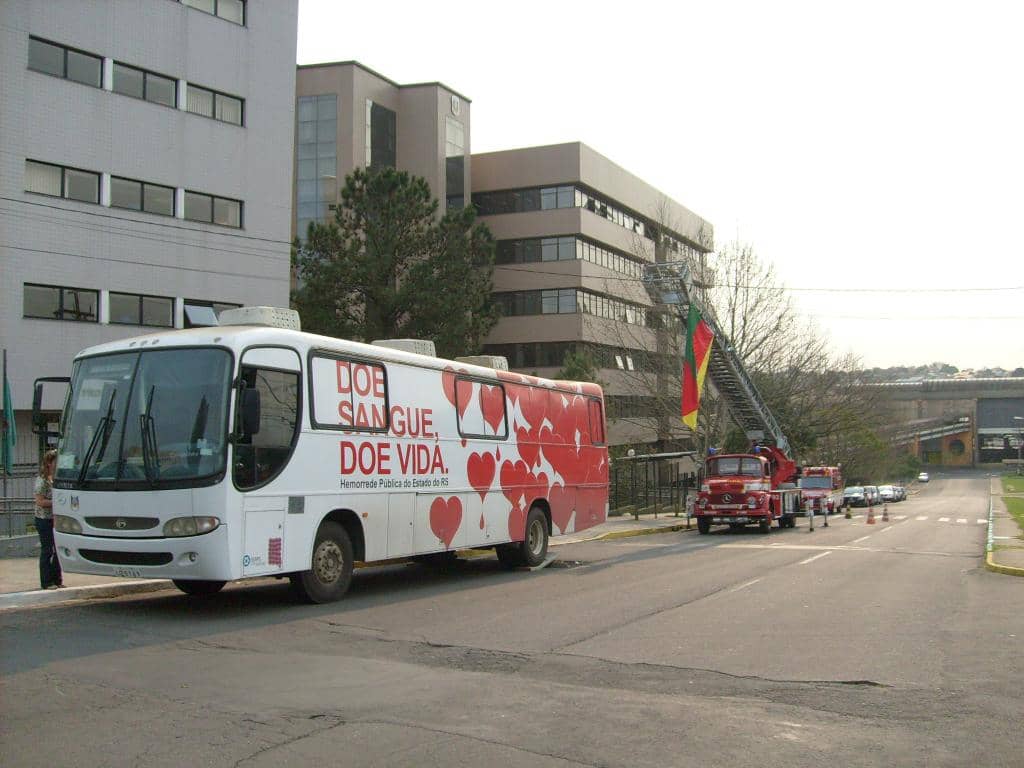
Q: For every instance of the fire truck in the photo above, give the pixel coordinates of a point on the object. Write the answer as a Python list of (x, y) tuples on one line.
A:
[(755, 488), (821, 489)]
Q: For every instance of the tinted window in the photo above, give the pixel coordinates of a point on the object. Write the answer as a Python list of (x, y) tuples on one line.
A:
[(263, 452), (45, 57)]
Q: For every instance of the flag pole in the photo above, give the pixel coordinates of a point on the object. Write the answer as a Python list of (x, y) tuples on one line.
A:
[(3, 406)]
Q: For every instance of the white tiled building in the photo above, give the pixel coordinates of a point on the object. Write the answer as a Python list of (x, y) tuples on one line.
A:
[(145, 172)]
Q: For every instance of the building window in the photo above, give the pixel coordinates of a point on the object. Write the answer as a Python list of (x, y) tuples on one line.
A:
[(199, 314), (562, 301), (60, 61), (140, 84), (212, 209), (133, 309), (219, 106), (141, 196), (58, 303), (381, 136), (229, 10), (60, 181), (316, 172), (455, 163)]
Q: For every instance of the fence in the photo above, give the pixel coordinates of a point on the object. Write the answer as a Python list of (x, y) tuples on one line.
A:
[(654, 483), (18, 504)]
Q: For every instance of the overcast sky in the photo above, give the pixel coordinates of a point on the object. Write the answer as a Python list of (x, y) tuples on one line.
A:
[(858, 147)]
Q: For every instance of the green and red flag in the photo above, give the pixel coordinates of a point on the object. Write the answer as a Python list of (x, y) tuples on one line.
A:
[(695, 365)]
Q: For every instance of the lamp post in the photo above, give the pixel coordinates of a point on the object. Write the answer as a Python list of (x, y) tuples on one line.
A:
[(1020, 442)]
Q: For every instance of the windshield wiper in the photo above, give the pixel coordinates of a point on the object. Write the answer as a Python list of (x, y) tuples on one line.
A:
[(150, 452), (101, 437)]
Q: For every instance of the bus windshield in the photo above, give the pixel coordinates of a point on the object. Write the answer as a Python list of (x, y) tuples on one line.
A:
[(816, 481), (145, 419), (735, 465)]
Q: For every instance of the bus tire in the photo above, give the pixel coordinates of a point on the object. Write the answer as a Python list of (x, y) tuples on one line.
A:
[(532, 550), (703, 525), (330, 571), (199, 588)]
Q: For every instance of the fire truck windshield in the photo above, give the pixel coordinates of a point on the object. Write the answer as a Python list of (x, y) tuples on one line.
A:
[(816, 481), (735, 465)]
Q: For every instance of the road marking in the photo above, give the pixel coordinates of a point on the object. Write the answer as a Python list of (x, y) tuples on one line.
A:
[(887, 528), (815, 557), (962, 520), (923, 517), (899, 517), (743, 586), (982, 521), (862, 538), (943, 519)]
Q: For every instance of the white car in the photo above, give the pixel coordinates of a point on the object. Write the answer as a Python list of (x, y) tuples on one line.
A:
[(923, 477), (887, 492)]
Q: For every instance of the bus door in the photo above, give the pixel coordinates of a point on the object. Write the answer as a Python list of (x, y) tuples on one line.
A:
[(266, 429)]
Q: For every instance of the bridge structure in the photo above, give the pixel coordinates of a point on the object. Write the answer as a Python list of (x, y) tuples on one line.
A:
[(958, 422)]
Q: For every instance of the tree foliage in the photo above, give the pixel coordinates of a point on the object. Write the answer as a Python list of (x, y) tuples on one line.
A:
[(388, 267)]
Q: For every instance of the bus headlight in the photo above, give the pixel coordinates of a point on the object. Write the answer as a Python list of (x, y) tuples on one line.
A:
[(189, 526), (66, 524)]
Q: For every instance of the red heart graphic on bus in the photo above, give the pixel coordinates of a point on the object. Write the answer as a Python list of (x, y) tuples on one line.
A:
[(529, 448), (492, 403), (480, 469), (445, 518), (463, 394), (562, 503)]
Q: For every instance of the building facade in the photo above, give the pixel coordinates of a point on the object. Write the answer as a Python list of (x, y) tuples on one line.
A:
[(146, 172), (348, 117), (579, 240)]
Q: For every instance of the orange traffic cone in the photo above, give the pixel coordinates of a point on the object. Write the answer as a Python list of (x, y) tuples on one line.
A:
[(885, 513), (871, 514)]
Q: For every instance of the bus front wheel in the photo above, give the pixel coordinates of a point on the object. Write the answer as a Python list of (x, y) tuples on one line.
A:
[(199, 588), (330, 571)]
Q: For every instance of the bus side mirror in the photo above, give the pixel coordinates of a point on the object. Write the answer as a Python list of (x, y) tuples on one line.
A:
[(250, 411), (40, 419)]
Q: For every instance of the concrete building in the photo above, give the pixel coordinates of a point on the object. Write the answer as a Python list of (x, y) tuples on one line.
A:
[(145, 174), (577, 235), (348, 117)]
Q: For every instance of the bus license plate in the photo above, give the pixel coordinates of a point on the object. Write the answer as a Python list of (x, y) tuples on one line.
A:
[(134, 573)]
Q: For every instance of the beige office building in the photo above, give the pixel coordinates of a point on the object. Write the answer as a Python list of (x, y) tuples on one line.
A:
[(577, 236), (348, 117)]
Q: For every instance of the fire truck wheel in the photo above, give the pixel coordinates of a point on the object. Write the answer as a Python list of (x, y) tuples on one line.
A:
[(331, 568), (199, 588), (765, 526), (703, 525)]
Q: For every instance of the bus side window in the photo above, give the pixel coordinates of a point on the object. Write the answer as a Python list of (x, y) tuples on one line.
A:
[(596, 422), (261, 454)]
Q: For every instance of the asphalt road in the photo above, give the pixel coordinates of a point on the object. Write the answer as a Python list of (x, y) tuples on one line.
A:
[(853, 645)]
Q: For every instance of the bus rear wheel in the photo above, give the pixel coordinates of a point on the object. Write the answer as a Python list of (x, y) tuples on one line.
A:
[(330, 571), (199, 588), (532, 550)]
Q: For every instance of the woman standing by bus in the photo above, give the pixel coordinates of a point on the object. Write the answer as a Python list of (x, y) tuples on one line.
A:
[(50, 576)]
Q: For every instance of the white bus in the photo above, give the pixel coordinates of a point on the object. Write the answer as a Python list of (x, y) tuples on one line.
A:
[(213, 454)]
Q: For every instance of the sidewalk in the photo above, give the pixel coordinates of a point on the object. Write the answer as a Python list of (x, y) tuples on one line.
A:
[(1006, 545), (19, 576)]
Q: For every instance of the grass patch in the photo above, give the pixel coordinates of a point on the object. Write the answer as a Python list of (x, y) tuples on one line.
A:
[(1013, 483), (1015, 506)]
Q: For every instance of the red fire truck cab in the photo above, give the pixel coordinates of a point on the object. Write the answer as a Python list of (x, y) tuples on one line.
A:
[(742, 489)]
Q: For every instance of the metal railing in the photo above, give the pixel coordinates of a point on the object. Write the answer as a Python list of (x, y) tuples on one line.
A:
[(649, 484)]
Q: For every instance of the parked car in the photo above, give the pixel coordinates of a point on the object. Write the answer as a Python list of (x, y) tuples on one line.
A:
[(901, 492), (854, 496), (923, 477), (871, 495), (887, 492)]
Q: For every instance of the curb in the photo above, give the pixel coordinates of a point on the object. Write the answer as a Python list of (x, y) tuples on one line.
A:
[(1007, 570), (90, 592), (36, 597)]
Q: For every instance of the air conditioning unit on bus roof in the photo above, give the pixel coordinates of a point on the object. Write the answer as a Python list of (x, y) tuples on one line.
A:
[(416, 346), (497, 362), (272, 317)]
